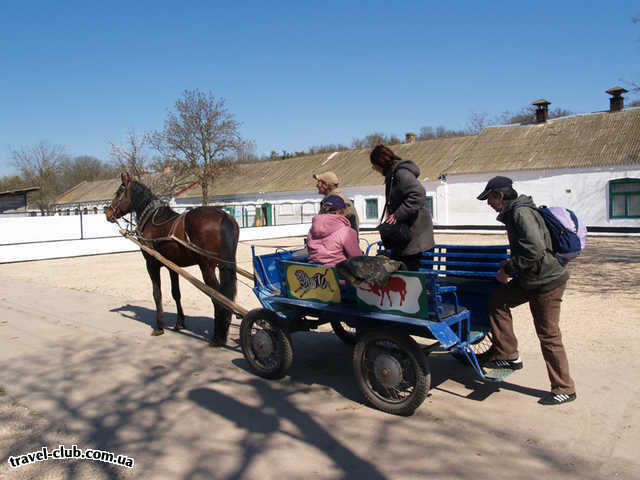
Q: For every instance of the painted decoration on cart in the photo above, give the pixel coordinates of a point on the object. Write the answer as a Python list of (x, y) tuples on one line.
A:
[(312, 282), (403, 294)]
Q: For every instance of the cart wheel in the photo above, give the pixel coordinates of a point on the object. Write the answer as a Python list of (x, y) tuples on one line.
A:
[(479, 347), (265, 344), (344, 332), (391, 371)]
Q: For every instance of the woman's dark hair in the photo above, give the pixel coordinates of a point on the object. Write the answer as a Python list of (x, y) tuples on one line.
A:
[(383, 157)]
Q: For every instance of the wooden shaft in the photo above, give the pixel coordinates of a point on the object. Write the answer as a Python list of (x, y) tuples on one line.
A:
[(214, 294)]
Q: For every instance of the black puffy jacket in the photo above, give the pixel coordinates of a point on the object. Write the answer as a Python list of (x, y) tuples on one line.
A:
[(407, 200)]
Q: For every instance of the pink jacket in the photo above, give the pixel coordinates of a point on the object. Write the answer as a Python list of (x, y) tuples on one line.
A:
[(331, 239)]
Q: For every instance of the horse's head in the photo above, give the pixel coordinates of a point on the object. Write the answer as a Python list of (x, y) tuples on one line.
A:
[(121, 203)]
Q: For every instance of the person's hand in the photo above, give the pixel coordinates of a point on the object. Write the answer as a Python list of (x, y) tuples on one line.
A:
[(391, 220), (502, 276)]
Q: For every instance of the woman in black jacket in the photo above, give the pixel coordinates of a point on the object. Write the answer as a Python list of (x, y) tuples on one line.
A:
[(406, 202)]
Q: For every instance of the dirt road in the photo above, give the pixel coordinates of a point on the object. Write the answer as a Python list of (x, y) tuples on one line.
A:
[(78, 366)]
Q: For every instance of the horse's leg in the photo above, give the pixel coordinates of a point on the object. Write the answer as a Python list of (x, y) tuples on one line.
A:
[(154, 272), (221, 316), (175, 291), (228, 289)]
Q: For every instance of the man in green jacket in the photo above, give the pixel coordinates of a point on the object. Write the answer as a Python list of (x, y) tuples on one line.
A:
[(537, 278)]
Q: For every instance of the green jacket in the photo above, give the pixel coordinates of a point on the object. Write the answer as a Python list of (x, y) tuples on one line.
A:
[(532, 262)]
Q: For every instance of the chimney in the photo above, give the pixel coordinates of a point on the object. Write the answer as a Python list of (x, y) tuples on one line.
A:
[(616, 102), (542, 110), (409, 137)]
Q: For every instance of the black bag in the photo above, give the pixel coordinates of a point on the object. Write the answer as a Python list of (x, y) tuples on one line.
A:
[(394, 236)]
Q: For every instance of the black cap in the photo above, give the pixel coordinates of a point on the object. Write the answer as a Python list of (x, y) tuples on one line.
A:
[(496, 183)]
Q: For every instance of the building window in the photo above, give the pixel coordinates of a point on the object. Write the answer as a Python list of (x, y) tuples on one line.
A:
[(371, 208), (624, 198), (430, 205)]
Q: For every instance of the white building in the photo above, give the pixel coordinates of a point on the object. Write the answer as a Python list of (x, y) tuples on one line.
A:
[(589, 163)]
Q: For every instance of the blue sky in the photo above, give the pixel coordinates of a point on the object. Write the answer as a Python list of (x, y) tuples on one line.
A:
[(297, 74)]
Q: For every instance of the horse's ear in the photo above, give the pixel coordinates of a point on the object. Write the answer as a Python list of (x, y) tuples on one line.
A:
[(125, 177)]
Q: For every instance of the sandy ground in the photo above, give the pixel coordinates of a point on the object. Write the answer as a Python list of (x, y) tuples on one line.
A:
[(78, 366)]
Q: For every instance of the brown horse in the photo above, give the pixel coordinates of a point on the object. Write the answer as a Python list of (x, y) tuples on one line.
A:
[(210, 232)]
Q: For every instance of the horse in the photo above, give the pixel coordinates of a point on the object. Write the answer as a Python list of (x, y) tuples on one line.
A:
[(205, 236)]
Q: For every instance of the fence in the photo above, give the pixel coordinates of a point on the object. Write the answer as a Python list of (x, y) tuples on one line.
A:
[(24, 237)]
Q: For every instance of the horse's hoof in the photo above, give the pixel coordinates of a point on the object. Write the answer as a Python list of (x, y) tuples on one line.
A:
[(218, 342), (179, 327), (156, 332)]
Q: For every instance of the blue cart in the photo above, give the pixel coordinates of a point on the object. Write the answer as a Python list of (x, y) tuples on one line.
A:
[(445, 303)]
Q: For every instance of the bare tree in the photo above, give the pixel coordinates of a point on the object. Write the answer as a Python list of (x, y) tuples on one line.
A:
[(131, 155), (200, 137), (527, 114), (635, 86), (157, 173), (477, 122), (40, 166), (374, 139), (12, 182), (84, 168)]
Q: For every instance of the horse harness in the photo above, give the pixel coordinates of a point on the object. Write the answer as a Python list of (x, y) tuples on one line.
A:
[(150, 212)]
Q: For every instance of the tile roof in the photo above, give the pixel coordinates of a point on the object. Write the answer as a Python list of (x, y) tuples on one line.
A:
[(352, 167), (600, 139), (98, 190)]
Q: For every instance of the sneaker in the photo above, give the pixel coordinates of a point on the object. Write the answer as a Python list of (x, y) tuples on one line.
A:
[(557, 398), (504, 364)]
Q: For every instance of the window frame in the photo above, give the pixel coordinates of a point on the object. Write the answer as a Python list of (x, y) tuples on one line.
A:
[(430, 205), (367, 202), (626, 195)]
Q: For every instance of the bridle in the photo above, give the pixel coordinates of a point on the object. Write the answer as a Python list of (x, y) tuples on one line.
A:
[(122, 190), (117, 211)]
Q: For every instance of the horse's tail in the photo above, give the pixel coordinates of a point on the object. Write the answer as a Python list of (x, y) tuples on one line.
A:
[(229, 234)]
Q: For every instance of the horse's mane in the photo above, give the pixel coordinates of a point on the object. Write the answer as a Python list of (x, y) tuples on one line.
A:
[(141, 195)]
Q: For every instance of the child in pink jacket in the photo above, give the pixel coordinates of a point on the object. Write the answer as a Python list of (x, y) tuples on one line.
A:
[(331, 238)]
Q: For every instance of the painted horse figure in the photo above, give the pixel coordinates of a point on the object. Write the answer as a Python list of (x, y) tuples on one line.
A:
[(204, 236)]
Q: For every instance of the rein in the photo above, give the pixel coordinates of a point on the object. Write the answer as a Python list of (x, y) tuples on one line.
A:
[(172, 237)]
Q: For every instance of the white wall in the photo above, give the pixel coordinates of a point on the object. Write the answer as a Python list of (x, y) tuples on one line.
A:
[(65, 248), (585, 191), (41, 238), (36, 229)]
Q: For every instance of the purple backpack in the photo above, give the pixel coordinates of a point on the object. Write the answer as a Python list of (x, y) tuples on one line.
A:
[(568, 233)]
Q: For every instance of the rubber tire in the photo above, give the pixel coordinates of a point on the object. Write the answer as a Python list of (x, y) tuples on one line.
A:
[(403, 349), (347, 336), (281, 359)]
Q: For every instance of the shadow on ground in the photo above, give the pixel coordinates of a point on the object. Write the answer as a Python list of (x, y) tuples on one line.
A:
[(114, 396), (607, 265)]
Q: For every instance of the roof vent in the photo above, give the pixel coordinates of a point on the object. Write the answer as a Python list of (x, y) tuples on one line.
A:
[(616, 102), (542, 110), (409, 137)]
